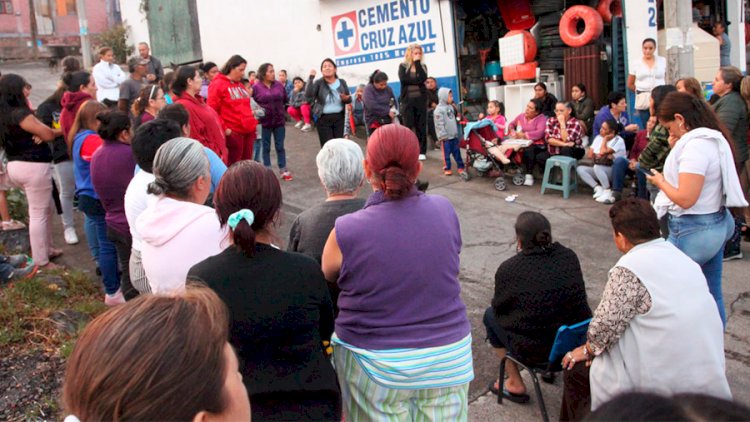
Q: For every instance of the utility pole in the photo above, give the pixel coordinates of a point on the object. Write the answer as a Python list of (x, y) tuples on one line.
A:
[(679, 22), (83, 25), (32, 28)]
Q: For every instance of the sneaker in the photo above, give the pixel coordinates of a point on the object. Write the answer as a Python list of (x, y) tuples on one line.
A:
[(528, 180), (422, 157), (460, 171), (736, 254), (71, 238), (598, 190), (23, 273), (287, 176), (307, 128), (299, 124), (448, 173), (13, 225), (113, 300), (606, 197)]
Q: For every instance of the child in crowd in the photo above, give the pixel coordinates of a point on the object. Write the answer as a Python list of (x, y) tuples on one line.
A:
[(354, 113), (496, 114), (258, 112), (298, 108), (446, 129), (13, 267)]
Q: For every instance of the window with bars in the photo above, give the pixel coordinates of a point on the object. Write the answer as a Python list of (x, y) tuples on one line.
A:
[(6, 7)]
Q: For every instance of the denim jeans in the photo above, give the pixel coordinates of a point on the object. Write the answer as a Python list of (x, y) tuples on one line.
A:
[(107, 258), (91, 240), (702, 238), (258, 149), (642, 117), (278, 140), (620, 169)]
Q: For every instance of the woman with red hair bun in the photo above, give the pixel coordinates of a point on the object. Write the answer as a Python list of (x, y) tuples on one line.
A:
[(399, 295)]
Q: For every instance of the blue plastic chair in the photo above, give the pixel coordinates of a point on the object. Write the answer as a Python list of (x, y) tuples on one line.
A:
[(568, 167), (567, 338)]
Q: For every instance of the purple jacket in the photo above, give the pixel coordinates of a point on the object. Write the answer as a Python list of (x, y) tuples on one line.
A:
[(399, 275), (272, 100), (112, 168), (377, 103)]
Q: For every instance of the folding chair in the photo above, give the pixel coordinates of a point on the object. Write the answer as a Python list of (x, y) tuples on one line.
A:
[(567, 338)]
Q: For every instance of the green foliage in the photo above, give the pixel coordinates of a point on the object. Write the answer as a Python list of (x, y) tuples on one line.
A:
[(117, 39), (18, 206), (25, 307)]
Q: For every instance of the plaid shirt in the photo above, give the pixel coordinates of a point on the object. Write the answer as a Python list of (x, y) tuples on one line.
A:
[(575, 133)]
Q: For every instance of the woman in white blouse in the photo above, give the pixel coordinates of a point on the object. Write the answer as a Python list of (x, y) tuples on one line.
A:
[(645, 75), (698, 185)]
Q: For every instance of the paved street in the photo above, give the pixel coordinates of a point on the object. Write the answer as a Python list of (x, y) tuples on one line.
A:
[(488, 239)]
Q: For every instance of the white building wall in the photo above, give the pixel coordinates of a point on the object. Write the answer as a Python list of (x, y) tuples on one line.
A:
[(281, 32), (135, 20), (297, 35)]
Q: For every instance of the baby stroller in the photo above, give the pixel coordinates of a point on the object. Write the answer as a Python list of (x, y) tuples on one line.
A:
[(476, 137)]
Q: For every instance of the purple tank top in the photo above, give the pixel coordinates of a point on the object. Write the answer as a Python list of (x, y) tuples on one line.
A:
[(399, 275)]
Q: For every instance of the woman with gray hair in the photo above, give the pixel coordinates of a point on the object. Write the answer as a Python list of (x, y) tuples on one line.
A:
[(341, 173), (178, 231)]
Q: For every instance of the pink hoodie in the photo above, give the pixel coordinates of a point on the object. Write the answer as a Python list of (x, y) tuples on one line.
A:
[(177, 235)]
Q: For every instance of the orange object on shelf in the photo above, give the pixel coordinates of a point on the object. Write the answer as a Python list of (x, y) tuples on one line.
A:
[(516, 14), (529, 44), (519, 72)]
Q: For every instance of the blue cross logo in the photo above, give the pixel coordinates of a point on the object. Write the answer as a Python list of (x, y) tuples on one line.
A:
[(344, 34)]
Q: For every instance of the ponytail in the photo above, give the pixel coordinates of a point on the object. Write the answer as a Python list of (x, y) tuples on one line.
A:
[(395, 183)]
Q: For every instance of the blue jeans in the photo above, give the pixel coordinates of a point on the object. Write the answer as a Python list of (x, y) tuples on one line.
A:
[(620, 169), (257, 149), (93, 242), (107, 256), (450, 148), (702, 238), (642, 117), (278, 140)]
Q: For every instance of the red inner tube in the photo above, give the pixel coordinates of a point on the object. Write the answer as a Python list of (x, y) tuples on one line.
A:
[(594, 26), (609, 8)]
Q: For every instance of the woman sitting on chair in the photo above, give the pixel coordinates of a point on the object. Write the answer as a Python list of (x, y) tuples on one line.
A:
[(536, 291)]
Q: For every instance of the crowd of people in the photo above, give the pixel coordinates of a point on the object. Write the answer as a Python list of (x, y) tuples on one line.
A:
[(173, 174)]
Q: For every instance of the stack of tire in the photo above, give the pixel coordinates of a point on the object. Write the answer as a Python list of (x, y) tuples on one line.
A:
[(592, 19), (549, 43), (527, 69)]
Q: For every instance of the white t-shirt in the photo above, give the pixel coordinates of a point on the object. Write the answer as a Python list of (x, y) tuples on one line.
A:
[(699, 156), (617, 144), (647, 78), (136, 200)]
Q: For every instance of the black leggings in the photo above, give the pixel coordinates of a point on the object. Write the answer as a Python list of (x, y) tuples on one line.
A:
[(330, 126), (414, 113), (534, 154)]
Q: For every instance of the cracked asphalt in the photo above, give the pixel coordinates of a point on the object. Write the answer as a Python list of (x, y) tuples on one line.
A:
[(488, 239)]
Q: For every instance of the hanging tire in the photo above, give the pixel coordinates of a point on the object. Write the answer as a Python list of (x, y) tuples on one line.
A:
[(500, 184), (609, 8), (529, 44), (518, 179), (569, 22)]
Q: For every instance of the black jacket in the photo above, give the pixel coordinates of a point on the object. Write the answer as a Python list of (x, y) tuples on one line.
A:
[(407, 78), (537, 291), (317, 91)]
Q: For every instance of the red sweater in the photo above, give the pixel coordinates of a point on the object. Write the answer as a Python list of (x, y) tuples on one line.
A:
[(71, 102), (232, 102), (205, 125)]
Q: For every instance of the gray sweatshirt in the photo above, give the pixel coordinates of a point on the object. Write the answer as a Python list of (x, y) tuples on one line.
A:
[(446, 127)]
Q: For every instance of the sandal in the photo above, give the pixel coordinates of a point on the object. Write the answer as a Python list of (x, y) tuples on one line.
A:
[(13, 225), (507, 395), (54, 253)]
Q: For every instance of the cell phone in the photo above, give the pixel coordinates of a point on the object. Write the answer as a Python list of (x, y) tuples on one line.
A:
[(645, 170)]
